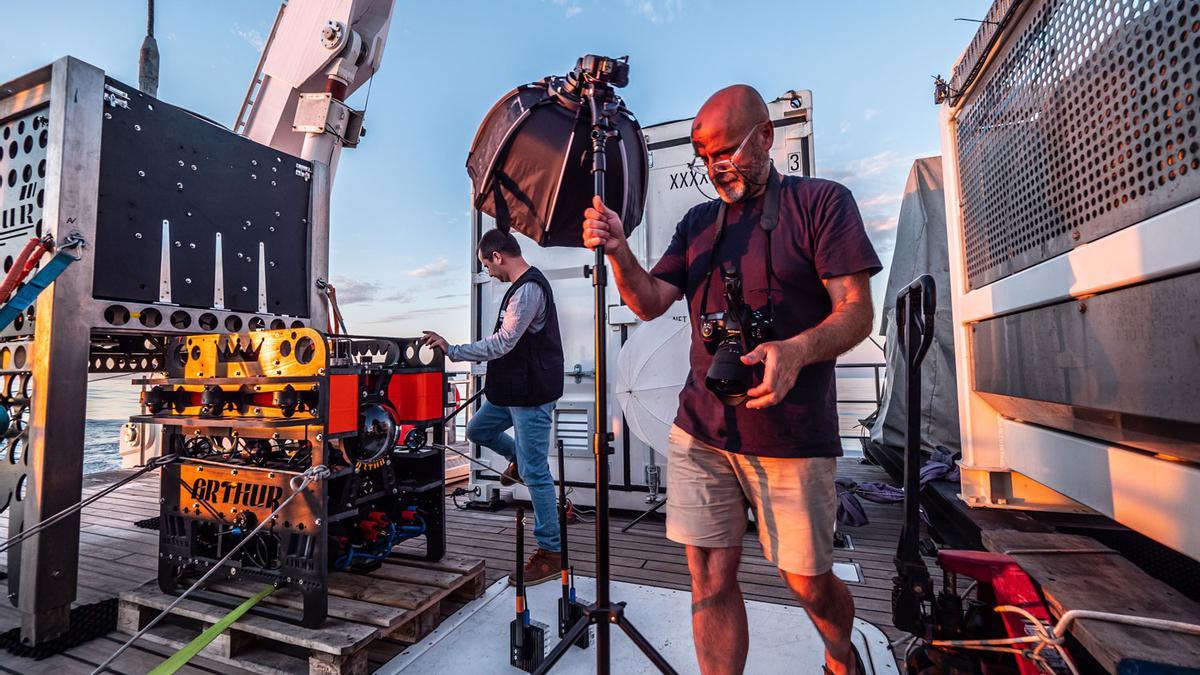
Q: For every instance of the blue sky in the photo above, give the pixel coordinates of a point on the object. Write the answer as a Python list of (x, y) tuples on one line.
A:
[(400, 251)]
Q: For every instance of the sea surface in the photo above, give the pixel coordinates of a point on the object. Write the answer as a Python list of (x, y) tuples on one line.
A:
[(111, 402)]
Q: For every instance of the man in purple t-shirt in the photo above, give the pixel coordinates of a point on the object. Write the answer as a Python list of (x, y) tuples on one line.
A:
[(777, 452)]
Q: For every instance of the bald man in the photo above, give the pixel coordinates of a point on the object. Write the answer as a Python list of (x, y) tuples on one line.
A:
[(776, 453)]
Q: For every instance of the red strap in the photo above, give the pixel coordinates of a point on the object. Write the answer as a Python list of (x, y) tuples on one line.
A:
[(28, 259)]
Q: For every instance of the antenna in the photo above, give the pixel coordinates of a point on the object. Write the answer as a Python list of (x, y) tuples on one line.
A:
[(148, 56)]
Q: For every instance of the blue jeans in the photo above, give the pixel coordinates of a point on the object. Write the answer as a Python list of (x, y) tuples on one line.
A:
[(530, 451)]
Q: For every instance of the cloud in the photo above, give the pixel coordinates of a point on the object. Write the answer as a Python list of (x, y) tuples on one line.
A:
[(880, 202), (656, 11), (404, 295), (871, 166), (844, 127), (870, 114), (417, 313), (350, 291), (433, 269), (570, 8), (885, 247), (252, 37), (880, 225)]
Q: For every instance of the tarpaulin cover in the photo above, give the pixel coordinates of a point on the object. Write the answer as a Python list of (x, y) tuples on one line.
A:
[(921, 249), (531, 161)]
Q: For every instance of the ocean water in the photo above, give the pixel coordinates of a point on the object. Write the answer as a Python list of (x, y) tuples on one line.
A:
[(111, 401), (101, 445)]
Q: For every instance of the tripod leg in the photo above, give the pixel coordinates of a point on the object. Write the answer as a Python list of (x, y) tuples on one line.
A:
[(652, 509), (564, 645), (644, 645)]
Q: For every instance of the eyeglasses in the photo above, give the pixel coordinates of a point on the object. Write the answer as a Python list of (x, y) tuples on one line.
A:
[(725, 165)]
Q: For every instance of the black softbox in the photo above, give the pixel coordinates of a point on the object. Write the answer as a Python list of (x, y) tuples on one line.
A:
[(531, 160)]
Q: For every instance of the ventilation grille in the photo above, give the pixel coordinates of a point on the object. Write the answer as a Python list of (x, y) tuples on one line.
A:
[(573, 426), (1084, 124)]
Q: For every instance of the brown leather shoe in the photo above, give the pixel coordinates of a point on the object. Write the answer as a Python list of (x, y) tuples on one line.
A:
[(542, 566), (510, 476)]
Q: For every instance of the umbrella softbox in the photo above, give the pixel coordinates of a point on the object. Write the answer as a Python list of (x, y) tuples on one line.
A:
[(531, 160)]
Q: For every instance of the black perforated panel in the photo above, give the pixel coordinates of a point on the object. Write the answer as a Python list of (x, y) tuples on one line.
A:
[(1084, 124), (164, 170)]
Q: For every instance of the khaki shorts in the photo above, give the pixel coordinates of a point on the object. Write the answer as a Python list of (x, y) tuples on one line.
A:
[(794, 502)]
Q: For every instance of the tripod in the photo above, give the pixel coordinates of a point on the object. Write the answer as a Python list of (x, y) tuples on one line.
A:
[(602, 104)]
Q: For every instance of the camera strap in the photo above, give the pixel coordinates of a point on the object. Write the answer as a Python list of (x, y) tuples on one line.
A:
[(768, 222)]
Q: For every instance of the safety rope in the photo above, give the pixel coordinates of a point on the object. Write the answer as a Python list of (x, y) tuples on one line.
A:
[(26, 295), (35, 529), (1055, 637), (297, 483)]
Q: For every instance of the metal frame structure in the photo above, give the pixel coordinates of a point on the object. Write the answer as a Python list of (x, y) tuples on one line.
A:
[(1062, 453), (76, 333)]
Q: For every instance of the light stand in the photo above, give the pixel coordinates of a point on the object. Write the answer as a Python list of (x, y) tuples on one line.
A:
[(602, 104)]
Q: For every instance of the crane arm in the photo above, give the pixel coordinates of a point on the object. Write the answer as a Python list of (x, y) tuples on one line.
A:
[(318, 53)]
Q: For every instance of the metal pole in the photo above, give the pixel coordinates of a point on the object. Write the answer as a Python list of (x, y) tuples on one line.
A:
[(148, 56), (912, 441), (46, 567), (600, 131), (565, 603)]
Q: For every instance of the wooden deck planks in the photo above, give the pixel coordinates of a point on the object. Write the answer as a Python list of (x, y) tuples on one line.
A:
[(118, 556)]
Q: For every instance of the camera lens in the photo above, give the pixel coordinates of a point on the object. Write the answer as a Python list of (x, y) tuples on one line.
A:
[(728, 378)]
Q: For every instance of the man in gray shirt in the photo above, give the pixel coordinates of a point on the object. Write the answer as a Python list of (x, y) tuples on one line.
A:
[(524, 381)]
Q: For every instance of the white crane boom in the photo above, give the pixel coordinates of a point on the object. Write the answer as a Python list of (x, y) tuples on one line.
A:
[(318, 53)]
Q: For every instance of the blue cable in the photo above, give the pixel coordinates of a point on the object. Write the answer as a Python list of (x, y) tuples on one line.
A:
[(395, 535)]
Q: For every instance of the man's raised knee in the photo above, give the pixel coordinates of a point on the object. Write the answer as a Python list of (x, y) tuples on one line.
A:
[(476, 435)]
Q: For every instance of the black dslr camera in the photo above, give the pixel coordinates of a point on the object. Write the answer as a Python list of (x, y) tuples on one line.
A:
[(603, 69), (729, 335)]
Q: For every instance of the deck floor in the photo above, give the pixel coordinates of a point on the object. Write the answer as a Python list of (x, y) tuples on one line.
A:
[(115, 556)]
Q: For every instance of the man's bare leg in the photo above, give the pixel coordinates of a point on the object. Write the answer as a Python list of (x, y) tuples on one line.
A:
[(831, 608), (718, 611)]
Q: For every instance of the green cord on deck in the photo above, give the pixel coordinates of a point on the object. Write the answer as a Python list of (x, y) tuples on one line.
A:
[(191, 649)]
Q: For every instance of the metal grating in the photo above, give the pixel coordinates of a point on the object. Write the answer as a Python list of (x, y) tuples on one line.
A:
[(1084, 124), (573, 426), (976, 52)]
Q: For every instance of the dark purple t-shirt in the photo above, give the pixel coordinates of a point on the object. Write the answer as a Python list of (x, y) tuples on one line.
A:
[(820, 235)]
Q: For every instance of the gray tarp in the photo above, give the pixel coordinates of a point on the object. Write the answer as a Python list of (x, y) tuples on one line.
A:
[(921, 249)]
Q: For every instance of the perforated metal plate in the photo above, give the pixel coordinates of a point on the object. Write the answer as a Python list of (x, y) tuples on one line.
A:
[(16, 390), (1083, 124), (189, 208), (23, 141)]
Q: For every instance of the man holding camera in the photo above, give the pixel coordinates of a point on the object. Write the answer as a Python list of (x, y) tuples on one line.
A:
[(775, 273), (524, 381)]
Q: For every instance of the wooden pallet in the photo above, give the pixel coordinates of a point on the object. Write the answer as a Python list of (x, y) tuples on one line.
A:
[(399, 602)]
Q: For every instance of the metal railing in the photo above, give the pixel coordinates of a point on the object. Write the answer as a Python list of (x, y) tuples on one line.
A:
[(460, 385), (879, 372)]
